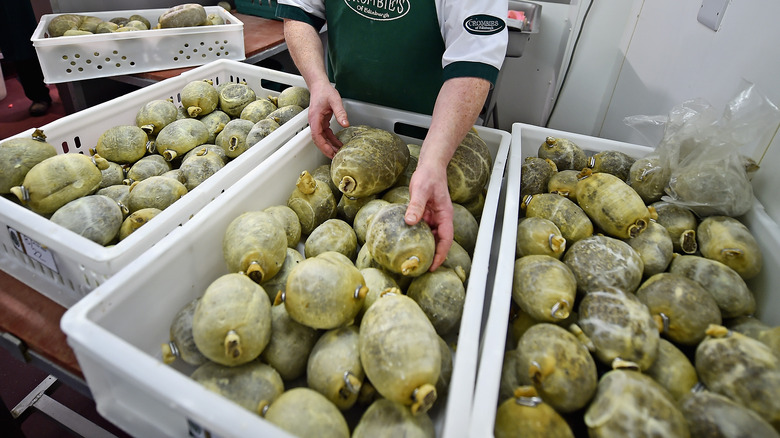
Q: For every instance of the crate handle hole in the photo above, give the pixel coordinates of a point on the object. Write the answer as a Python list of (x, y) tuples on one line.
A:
[(410, 130), (273, 85)]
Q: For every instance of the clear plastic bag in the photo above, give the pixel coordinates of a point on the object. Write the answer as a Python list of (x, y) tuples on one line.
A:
[(705, 156)]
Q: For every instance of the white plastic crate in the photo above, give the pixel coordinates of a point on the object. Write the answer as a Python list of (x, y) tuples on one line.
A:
[(525, 142), (65, 266), (117, 330), (75, 58)]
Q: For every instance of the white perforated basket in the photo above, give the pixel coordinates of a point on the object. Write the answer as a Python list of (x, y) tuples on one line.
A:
[(121, 359), (75, 58), (64, 266)]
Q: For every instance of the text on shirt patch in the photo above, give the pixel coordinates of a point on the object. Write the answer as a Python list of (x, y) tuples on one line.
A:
[(483, 24), (382, 10)]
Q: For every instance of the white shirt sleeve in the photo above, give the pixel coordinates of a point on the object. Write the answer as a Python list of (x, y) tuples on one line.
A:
[(313, 7), (462, 45)]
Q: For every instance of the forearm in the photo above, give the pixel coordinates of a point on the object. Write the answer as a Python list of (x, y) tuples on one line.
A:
[(306, 51), (457, 107), (305, 46)]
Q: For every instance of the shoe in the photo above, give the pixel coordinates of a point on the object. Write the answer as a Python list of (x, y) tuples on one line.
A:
[(39, 108)]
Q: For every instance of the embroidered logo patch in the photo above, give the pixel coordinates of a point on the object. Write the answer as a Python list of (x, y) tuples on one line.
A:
[(482, 24), (381, 10)]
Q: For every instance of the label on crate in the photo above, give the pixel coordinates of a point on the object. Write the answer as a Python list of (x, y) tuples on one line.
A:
[(32, 249), (198, 432)]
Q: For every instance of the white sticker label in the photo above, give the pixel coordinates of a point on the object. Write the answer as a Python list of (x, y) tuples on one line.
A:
[(33, 249)]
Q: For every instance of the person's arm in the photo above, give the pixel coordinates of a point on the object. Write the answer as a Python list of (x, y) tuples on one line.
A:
[(457, 107), (305, 46), (471, 63)]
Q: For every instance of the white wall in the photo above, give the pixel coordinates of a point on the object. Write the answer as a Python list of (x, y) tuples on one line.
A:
[(645, 57), (586, 93), (526, 87)]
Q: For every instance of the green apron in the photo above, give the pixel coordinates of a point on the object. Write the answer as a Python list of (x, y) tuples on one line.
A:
[(386, 53)]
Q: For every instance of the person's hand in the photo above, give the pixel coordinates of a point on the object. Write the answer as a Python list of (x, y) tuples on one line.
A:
[(324, 103), (430, 201)]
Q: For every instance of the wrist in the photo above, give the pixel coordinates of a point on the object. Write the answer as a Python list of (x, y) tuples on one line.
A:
[(320, 84), (434, 164)]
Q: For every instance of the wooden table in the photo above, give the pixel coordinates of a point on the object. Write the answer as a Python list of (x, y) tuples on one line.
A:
[(263, 38), (34, 320), (30, 331)]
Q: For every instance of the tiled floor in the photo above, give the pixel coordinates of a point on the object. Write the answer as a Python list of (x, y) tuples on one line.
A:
[(17, 378)]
